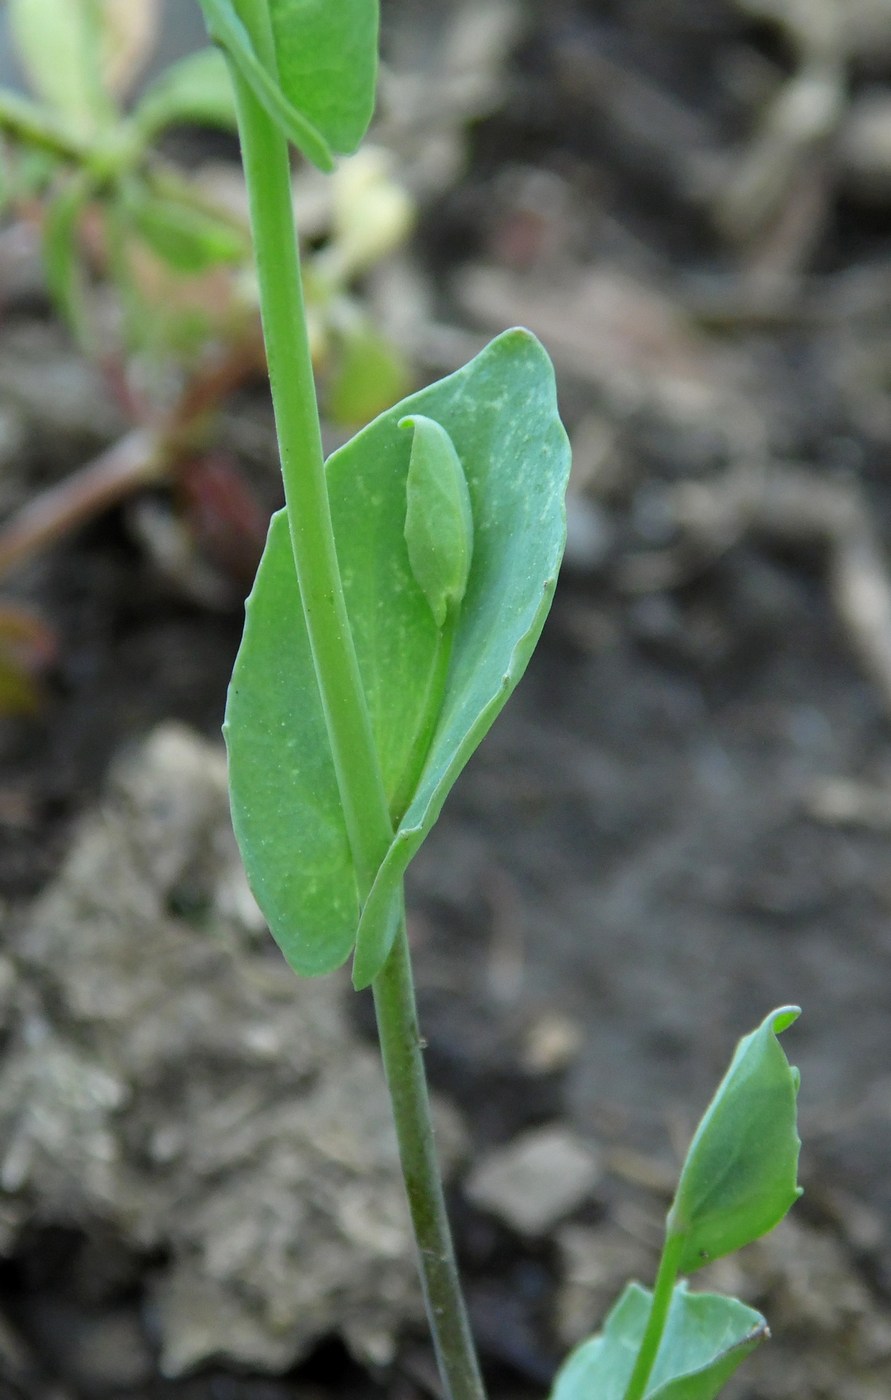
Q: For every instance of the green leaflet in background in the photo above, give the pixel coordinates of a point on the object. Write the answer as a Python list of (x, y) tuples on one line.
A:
[(500, 412), (186, 237), (706, 1337), (196, 90), (741, 1172), (58, 44), (61, 255), (327, 64), (285, 804)]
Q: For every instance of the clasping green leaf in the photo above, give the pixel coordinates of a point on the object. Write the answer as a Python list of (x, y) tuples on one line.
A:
[(705, 1339), (327, 63), (319, 85), (438, 517), (740, 1176), (226, 29), (498, 416)]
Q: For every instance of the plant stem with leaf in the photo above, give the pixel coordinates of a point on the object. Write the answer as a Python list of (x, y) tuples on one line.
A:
[(267, 172), (663, 1290)]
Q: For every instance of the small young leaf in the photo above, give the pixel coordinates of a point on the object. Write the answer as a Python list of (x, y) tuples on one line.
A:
[(438, 517), (327, 62), (197, 89), (706, 1337), (500, 412), (227, 30), (741, 1172)]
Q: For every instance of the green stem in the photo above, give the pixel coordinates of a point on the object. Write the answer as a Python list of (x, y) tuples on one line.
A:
[(268, 176), (401, 1050), (662, 1294)]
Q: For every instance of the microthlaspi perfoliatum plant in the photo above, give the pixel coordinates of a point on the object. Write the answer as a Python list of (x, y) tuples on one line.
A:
[(401, 593), (739, 1179)]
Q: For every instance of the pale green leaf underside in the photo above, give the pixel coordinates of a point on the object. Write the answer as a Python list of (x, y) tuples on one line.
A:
[(706, 1338), (327, 63), (500, 411), (741, 1172)]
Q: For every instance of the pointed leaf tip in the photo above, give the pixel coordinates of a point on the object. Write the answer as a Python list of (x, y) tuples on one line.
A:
[(740, 1175), (783, 1018)]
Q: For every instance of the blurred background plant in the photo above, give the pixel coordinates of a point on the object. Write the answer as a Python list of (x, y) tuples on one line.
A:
[(147, 258)]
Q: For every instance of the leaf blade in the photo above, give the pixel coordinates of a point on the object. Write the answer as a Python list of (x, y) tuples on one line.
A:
[(62, 255), (227, 30), (397, 641), (706, 1338), (327, 61), (283, 789), (740, 1175), (500, 621), (188, 238)]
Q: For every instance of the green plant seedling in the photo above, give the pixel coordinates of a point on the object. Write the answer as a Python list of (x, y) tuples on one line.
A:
[(81, 152), (372, 664), (738, 1181), (399, 598), (741, 1173)]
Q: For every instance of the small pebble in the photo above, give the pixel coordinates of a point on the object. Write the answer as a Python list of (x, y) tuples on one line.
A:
[(536, 1180)]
